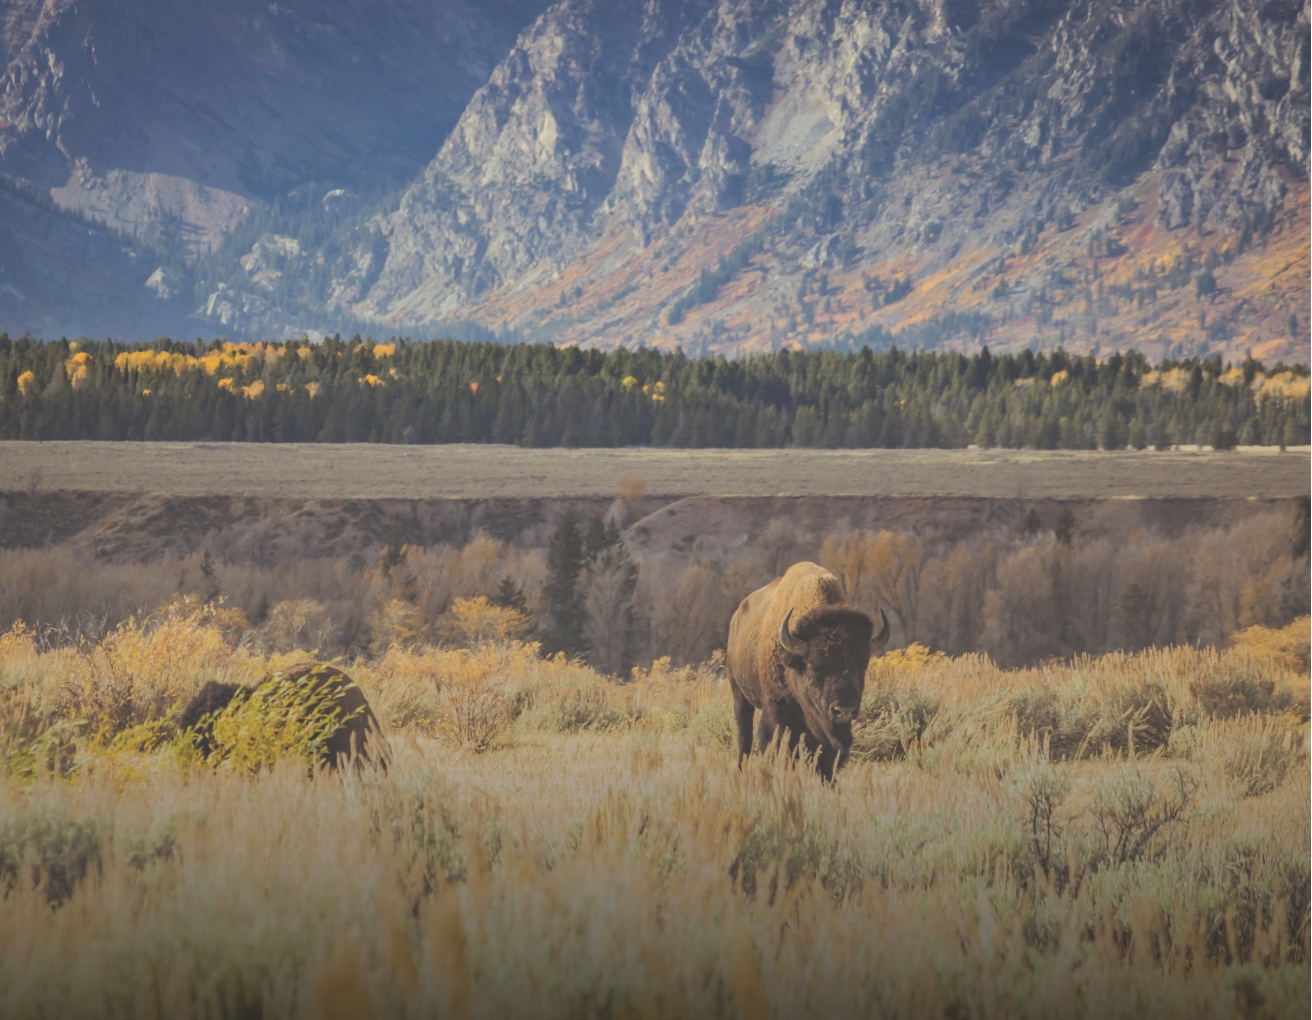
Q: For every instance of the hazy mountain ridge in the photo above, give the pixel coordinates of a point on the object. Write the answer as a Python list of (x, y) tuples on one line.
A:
[(749, 174)]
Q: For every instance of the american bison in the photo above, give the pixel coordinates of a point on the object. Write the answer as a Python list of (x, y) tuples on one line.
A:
[(358, 738), (798, 653)]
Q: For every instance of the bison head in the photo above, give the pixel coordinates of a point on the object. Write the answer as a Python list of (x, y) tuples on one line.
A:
[(826, 654)]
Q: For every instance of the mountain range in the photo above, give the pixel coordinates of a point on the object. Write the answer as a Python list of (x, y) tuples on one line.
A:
[(721, 175)]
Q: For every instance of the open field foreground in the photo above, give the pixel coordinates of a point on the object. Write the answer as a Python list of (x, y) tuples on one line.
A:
[(1117, 837), (350, 471)]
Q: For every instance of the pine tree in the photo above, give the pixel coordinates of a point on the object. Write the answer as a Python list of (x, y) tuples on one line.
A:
[(1134, 613), (596, 539), (1065, 528), (562, 604), (509, 595), (1032, 524)]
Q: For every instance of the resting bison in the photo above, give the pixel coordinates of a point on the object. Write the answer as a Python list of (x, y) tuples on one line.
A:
[(798, 652), (359, 736)]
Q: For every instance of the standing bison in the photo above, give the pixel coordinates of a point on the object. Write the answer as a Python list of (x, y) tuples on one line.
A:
[(358, 737), (798, 653)]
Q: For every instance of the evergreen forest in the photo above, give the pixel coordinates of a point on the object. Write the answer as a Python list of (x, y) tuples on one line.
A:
[(537, 395)]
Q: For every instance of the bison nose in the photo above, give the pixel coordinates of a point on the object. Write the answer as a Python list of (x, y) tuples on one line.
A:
[(843, 713)]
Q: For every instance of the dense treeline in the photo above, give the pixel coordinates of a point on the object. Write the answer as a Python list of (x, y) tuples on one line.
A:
[(538, 395)]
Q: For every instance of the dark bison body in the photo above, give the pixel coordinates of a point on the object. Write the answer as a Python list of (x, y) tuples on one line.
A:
[(798, 654), (359, 736)]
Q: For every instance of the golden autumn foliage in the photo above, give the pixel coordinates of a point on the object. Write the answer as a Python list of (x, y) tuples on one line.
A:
[(911, 659), (25, 381), (480, 621), (76, 368), (230, 356), (394, 624), (1288, 646), (1285, 386), (278, 721)]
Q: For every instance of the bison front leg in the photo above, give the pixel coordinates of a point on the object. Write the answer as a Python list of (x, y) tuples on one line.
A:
[(767, 728), (743, 711), (827, 762), (833, 757)]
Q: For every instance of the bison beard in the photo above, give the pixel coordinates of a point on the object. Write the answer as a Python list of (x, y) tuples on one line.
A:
[(805, 675), (358, 737)]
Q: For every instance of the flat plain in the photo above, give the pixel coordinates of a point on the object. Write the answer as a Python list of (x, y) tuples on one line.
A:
[(361, 471)]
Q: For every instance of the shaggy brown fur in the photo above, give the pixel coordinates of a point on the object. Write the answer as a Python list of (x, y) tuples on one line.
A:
[(812, 699), (359, 738)]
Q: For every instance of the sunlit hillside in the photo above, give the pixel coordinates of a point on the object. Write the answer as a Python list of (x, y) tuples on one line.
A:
[(1111, 278)]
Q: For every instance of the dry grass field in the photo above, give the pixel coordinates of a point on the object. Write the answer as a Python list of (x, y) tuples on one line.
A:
[(1114, 837), (489, 472)]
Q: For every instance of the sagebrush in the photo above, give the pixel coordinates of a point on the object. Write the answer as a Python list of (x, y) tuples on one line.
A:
[(1120, 836)]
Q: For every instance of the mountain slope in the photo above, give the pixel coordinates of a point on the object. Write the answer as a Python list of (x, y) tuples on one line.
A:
[(724, 175), (753, 173), (170, 122)]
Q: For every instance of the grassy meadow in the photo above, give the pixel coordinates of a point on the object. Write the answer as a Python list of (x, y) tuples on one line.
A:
[(1122, 836), (494, 471)]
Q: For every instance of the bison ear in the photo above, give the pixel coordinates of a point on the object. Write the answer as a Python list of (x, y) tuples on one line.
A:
[(878, 642)]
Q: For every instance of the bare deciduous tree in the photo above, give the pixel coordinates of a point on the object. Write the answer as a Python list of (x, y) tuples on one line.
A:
[(778, 546), (610, 621)]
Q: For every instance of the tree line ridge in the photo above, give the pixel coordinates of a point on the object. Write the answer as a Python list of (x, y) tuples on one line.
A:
[(537, 395)]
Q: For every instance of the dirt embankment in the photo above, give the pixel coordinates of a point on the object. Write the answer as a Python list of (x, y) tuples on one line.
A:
[(134, 527), (137, 527), (730, 520)]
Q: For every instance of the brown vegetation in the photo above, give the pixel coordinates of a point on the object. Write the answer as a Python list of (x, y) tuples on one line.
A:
[(1018, 595), (1117, 836)]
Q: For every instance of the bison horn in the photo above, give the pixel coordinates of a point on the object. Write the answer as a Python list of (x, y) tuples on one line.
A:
[(786, 639), (881, 639)]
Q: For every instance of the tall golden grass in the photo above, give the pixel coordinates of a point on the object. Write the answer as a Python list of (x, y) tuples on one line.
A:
[(1121, 836)]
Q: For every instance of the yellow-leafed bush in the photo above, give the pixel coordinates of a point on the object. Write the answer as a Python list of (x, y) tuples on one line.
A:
[(480, 621), (911, 659), (278, 720), (394, 624), (1288, 646), (146, 670)]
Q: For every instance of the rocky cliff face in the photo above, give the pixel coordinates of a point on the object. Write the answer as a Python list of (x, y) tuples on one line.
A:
[(621, 151), (169, 122)]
